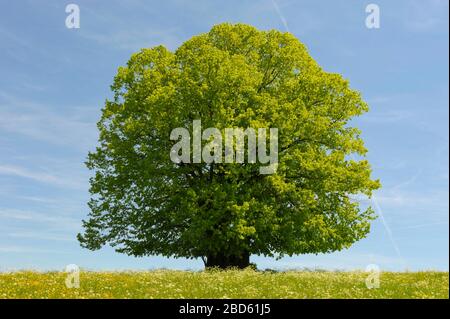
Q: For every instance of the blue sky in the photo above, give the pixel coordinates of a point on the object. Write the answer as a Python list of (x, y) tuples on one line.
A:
[(54, 81)]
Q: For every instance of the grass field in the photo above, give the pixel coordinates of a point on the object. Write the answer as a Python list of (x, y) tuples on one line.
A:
[(224, 284)]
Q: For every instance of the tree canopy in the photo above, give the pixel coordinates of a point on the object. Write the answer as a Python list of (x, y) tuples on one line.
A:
[(234, 76)]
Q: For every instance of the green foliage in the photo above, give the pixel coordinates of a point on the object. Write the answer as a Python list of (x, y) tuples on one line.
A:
[(232, 76), (224, 284)]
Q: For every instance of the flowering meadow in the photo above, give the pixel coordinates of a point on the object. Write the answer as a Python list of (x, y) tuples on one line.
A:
[(224, 284)]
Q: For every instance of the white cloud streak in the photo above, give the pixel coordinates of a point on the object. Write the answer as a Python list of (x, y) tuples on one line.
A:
[(386, 226), (59, 221), (39, 176), (38, 122), (280, 14), (41, 236)]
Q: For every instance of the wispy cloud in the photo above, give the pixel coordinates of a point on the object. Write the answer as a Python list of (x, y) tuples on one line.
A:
[(20, 48), (388, 116), (38, 176), (426, 15), (39, 122), (38, 199), (387, 228), (112, 31), (135, 39), (28, 250), (424, 225), (41, 236), (434, 201), (280, 14), (56, 220), (13, 38), (21, 172)]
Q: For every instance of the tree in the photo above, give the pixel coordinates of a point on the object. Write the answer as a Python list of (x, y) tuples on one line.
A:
[(234, 76)]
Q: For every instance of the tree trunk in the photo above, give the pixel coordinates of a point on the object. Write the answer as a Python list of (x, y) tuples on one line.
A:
[(223, 262)]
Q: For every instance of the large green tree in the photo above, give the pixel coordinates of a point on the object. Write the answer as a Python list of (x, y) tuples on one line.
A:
[(234, 76)]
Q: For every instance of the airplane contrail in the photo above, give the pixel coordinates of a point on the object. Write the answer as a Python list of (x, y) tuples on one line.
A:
[(280, 14)]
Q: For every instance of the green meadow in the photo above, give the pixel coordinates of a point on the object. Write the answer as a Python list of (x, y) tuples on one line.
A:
[(224, 284)]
